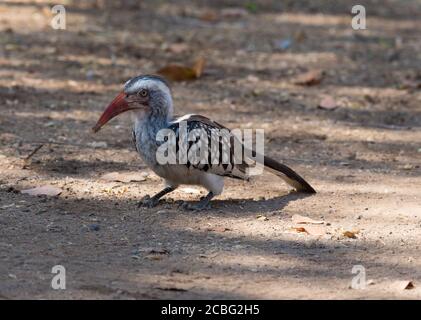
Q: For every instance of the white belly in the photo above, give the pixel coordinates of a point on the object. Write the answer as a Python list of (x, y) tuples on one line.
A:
[(175, 175)]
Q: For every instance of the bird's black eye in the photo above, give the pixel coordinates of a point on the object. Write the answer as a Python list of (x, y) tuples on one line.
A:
[(143, 93)]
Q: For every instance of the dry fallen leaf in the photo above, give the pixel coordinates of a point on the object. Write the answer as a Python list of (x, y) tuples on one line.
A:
[(328, 103), (309, 78), (406, 167), (46, 11), (125, 176), (198, 66), (370, 282), (262, 218), (177, 72), (314, 230), (209, 16), (404, 285), (296, 218), (351, 234), (47, 190)]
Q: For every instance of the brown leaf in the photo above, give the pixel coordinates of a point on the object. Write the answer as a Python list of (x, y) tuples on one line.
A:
[(314, 230), (405, 285), (209, 16), (125, 176), (47, 190), (296, 218), (406, 167), (199, 66), (46, 11), (309, 78), (177, 72), (370, 282), (351, 234), (328, 103), (262, 218)]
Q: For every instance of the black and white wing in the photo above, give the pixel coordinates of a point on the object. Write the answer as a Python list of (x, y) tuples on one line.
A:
[(208, 146)]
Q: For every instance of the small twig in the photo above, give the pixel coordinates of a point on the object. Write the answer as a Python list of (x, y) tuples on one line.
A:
[(297, 159), (33, 152)]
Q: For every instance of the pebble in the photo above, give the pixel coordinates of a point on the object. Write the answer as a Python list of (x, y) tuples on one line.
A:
[(94, 227)]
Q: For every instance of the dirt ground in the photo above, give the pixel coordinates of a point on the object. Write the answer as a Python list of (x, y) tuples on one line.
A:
[(363, 157)]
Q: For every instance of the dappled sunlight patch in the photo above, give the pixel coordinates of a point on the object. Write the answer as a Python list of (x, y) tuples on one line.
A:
[(323, 20), (361, 91), (73, 114), (377, 186), (277, 61), (346, 131), (64, 84)]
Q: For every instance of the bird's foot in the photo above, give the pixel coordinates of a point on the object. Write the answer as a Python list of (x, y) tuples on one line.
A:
[(203, 204), (148, 202), (195, 207)]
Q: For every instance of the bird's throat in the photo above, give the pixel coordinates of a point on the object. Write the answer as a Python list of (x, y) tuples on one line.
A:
[(148, 127)]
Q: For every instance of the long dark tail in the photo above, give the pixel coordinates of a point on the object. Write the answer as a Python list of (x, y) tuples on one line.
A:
[(289, 175)]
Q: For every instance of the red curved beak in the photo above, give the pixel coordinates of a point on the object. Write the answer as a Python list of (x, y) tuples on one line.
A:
[(117, 106)]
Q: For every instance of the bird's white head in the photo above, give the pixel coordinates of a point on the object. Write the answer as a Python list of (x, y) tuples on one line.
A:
[(148, 96)]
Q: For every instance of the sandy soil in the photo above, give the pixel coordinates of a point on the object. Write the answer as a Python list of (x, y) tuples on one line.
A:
[(363, 157)]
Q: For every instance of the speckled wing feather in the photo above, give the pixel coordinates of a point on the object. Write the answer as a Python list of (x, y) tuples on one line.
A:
[(220, 157)]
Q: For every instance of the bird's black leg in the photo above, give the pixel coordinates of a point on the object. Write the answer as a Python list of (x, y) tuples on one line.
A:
[(203, 203), (151, 202)]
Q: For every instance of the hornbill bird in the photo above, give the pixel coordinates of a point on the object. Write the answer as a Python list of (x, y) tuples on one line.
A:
[(148, 97)]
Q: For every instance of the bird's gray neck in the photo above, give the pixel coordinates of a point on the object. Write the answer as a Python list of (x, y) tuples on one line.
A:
[(150, 124), (146, 129)]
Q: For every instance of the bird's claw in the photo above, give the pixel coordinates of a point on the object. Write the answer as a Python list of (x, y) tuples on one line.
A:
[(194, 207), (148, 202)]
